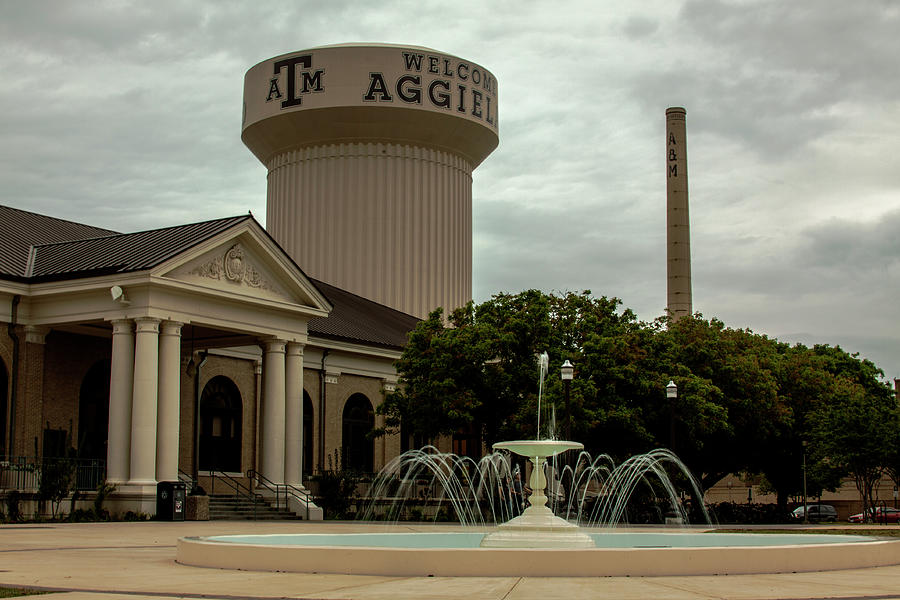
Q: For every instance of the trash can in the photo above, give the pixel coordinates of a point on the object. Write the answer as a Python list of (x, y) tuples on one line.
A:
[(170, 500)]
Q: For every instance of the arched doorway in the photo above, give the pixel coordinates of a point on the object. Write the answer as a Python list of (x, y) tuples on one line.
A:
[(221, 412), (93, 414), (358, 420), (307, 434)]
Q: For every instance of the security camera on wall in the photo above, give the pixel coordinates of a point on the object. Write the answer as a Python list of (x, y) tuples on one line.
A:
[(118, 295)]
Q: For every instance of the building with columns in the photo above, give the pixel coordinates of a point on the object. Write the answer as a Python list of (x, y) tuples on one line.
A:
[(184, 351), (204, 348)]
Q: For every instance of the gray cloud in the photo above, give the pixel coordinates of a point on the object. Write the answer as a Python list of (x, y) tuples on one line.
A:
[(127, 115)]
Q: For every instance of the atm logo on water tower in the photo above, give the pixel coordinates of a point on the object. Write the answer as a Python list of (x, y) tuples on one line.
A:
[(302, 82)]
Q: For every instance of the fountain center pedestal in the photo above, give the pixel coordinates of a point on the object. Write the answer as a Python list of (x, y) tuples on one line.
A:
[(537, 526)]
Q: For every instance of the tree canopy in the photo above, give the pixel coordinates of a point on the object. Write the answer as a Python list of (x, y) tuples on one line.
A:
[(745, 402)]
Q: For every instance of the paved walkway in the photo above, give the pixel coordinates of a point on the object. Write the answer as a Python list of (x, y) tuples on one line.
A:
[(130, 561)]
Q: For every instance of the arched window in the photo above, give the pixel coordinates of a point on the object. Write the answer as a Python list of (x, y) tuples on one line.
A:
[(4, 406), (93, 412), (307, 434), (358, 421), (221, 411)]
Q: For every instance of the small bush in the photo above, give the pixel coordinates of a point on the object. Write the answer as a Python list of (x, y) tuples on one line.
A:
[(135, 516), (14, 506), (337, 487), (81, 515), (748, 514), (57, 480), (103, 491)]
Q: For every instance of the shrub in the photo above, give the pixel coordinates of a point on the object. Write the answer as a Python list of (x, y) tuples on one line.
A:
[(135, 516), (337, 486), (14, 506), (103, 490), (748, 514), (57, 480)]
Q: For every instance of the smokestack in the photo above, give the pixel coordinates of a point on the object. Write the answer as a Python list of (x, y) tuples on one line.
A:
[(678, 231)]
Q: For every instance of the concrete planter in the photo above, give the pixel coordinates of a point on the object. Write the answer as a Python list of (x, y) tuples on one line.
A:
[(197, 508)]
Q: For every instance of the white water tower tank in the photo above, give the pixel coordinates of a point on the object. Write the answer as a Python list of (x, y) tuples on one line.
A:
[(370, 151)]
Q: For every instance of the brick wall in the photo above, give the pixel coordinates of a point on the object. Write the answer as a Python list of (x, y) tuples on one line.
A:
[(6, 394), (68, 358)]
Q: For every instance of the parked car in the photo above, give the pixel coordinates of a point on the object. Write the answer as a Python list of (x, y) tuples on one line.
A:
[(881, 514), (818, 513)]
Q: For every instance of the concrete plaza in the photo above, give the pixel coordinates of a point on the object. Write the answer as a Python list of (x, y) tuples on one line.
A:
[(137, 560)]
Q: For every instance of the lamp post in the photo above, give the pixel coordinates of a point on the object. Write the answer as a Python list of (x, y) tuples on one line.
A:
[(671, 394), (805, 506), (567, 372)]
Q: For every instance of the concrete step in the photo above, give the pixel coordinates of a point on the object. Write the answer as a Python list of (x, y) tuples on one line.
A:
[(222, 507)]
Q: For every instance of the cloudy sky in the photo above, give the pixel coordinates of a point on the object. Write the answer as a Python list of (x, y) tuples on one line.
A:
[(126, 115)]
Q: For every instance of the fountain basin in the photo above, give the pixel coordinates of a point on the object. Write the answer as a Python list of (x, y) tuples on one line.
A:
[(537, 526), (540, 448), (615, 554)]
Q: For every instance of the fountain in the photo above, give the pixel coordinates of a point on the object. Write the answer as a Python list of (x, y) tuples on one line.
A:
[(537, 542), (537, 526), (469, 488)]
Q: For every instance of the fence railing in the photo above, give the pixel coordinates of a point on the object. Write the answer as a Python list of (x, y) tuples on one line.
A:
[(235, 488), (23, 473), (283, 492), (189, 482)]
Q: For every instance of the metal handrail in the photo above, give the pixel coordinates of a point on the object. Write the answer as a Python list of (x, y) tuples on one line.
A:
[(284, 490), (23, 473), (240, 490), (189, 482)]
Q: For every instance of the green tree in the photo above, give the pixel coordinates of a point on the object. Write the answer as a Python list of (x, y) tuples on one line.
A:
[(480, 371), (804, 386), (727, 406), (442, 376), (856, 433), (746, 403)]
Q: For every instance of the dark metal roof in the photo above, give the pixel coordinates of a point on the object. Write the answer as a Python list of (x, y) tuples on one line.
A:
[(122, 253), (20, 230), (357, 319), (37, 248)]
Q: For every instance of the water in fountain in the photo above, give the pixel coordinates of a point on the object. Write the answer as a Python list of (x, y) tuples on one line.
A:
[(484, 492), (479, 493)]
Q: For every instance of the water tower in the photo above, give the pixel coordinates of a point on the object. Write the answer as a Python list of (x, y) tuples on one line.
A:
[(370, 151)]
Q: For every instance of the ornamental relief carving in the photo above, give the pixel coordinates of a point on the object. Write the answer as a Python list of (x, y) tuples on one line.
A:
[(233, 267)]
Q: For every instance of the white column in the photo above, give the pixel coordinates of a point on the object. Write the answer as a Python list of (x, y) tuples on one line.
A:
[(273, 410), (293, 415), (169, 408), (121, 384), (144, 401)]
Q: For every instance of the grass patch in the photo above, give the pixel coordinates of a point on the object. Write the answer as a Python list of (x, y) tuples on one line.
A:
[(19, 592), (893, 532)]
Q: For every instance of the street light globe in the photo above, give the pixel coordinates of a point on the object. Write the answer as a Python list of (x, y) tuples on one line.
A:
[(671, 390), (567, 370)]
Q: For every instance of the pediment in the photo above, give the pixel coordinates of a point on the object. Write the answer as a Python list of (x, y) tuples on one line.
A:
[(242, 266)]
